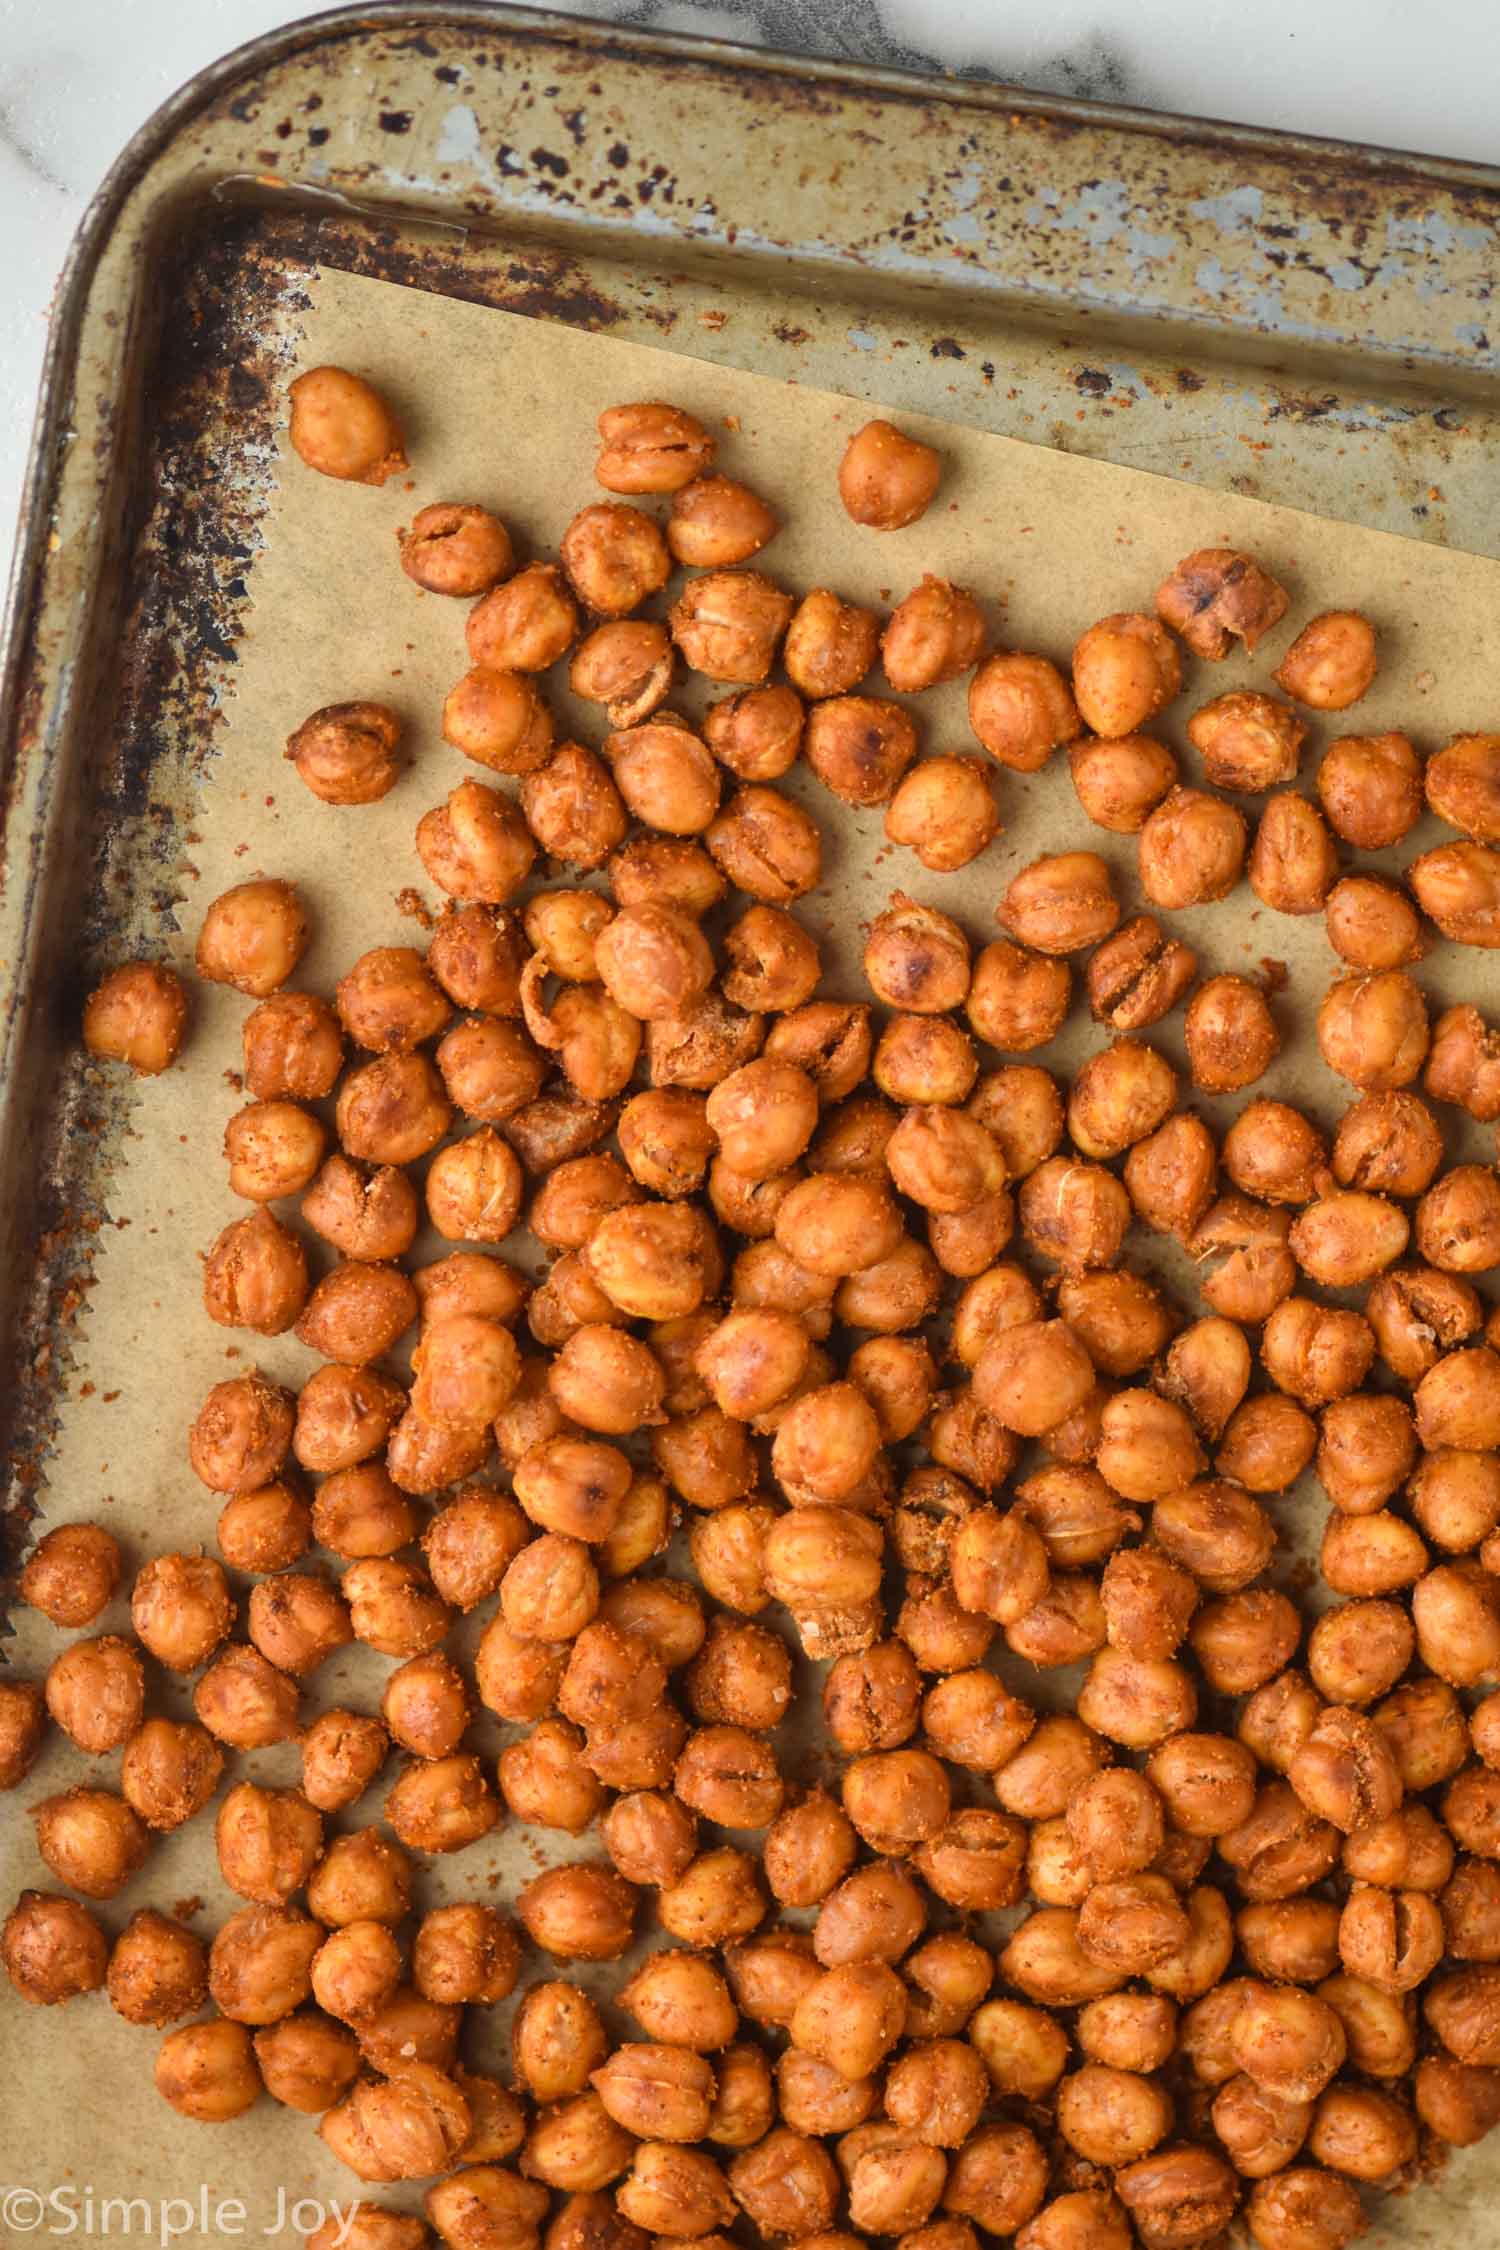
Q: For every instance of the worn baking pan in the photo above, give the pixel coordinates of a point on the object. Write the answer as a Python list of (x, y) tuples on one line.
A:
[(1289, 318), (1182, 298)]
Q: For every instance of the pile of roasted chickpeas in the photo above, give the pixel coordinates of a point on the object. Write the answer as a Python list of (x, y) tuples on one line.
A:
[(840, 1292)]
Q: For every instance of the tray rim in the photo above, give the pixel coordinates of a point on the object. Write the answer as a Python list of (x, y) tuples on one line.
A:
[(252, 57)]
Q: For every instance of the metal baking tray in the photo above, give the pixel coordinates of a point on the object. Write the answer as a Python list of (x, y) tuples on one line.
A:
[(1294, 319)]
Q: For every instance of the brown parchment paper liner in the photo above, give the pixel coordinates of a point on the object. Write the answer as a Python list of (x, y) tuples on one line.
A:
[(501, 410)]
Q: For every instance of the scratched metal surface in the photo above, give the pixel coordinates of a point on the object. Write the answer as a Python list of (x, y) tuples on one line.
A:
[(1293, 319)]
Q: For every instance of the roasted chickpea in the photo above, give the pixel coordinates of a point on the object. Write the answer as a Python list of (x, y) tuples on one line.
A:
[(1458, 887), (1372, 925), (255, 1276), (54, 1950), (23, 1726), (71, 1573), (181, 1608), (137, 1015), (614, 557), (342, 427), (887, 479), (90, 1839), (346, 753), (1060, 904), (1216, 595), (342, 1752), (392, 1110), (830, 645), (1125, 669), (1232, 1036), (1247, 741), (208, 2071), (158, 1971), (1191, 850), (859, 747), (246, 1702), (1462, 786), (253, 936), (1293, 861)]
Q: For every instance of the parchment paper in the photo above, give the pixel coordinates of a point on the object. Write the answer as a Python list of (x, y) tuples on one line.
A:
[(501, 410)]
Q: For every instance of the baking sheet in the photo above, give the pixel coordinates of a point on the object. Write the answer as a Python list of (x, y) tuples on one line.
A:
[(501, 409)]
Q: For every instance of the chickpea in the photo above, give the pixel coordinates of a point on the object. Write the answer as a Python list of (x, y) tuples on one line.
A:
[(1112, 2116), (1075, 1214), (1216, 595), (1138, 975), (1457, 1401), (255, 1276), (342, 427), (1191, 850), (1232, 1036), (158, 1971), (252, 937), (1119, 783), (1293, 863), (346, 753), (1458, 887), (887, 479), (1456, 1612), (1289, 2041), (1170, 1176), (258, 1964), (1358, 1650), (1032, 1376), (1020, 709), (1372, 925), (207, 2071), (392, 1110), (342, 1753), (1458, 1221), (441, 1805), (137, 1015), (1060, 904), (614, 556), (71, 1573), (998, 2179), (1462, 786), (830, 645), (1079, 1518), (244, 1701), (1247, 741), (859, 747), (477, 953), (268, 1842), (53, 1949), (23, 1726), (1282, 1849), (851, 2017), (727, 624), (1261, 2131)]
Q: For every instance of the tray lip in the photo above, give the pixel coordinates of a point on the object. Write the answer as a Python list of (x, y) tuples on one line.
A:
[(255, 56)]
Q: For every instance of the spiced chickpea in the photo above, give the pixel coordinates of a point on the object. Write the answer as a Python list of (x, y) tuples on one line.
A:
[(1372, 925), (1358, 1650), (53, 1950), (477, 953), (1217, 595), (255, 1276), (268, 1842), (1458, 1220), (1232, 1036), (1111, 2116), (614, 556), (859, 746), (1458, 887), (886, 479), (1458, 2102), (1074, 1213), (1020, 709), (830, 645), (23, 1727), (1247, 741), (342, 427), (1289, 2041), (1170, 1176), (245, 1701), (1462, 786), (137, 1015), (360, 1512), (342, 1753), (1032, 1376), (158, 1971), (727, 625), (207, 2071), (1060, 904), (1278, 1718), (1138, 975), (1456, 1612), (253, 936), (1455, 1497), (355, 1969), (1293, 861), (1457, 1401), (392, 1110), (650, 447), (71, 1573), (1366, 1448), (1191, 850)]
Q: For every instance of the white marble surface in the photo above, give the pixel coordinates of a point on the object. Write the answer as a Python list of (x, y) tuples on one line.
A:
[(78, 76)]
